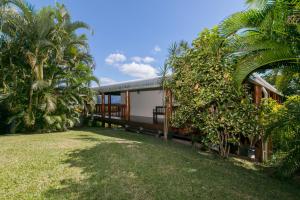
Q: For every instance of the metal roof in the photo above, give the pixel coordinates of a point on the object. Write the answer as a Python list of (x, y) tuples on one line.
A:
[(155, 83), (140, 84), (256, 79)]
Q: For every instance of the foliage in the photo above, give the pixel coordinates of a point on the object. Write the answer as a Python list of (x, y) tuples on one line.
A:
[(266, 39), (286, 80), (284, 128), (202, 85), (269, 111), (45, 67), (268, 36)]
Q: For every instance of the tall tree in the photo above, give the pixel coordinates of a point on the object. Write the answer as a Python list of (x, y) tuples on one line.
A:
[(267, 36), (203, 87), (46, 67)]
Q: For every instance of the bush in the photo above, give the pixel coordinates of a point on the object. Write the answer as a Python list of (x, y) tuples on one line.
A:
[(203, 86), (284, 127)]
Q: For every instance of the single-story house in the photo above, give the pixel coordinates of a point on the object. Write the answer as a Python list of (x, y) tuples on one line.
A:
[(140, 105)]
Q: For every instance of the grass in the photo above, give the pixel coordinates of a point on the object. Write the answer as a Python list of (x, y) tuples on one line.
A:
[(113, 164)]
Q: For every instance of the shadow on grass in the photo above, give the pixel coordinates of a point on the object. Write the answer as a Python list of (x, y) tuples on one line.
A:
[(123, 165)]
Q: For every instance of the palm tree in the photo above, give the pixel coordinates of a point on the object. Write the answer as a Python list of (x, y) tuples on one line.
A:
[(46, 67), (266, 36), (175, 50)]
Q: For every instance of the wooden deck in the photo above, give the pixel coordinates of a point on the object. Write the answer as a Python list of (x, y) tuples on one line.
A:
[(135, 123), (119, 114)]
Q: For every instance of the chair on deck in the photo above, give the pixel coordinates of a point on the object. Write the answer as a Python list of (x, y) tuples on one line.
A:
[(158, 110)]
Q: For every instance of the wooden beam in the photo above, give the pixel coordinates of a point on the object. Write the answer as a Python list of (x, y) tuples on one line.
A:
[(277, 98), (85, 112), (109, 108), (168, 112), (127, 103), (257, 94), (103, 109)]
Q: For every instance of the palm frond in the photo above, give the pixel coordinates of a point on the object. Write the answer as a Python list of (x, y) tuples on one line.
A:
[(4, 96), (31, 59), (58, 118), (29, 119), (77, 25), (246, 20), (39, 85), (26, 8), (260, 3), (49, 119), (263, 59), (51, 102), (15, 117), (175, 49), (44, 22), (70, 123)]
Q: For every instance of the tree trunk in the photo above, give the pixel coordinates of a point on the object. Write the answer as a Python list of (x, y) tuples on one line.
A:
[(30, 98)]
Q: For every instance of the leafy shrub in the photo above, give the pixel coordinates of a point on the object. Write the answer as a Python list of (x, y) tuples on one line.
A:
[(285, 131), (209, 102)]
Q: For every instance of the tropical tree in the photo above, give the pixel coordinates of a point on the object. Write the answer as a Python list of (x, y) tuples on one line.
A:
[(266, 40), (45, 67), (266, 36), (209, 102), (283, 124)]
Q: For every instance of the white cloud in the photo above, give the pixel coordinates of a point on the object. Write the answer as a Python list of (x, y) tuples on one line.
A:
[(137, 59), (115, 58), (146, 59), (106, 81), (140, 67), (157, 48), (139, 70)]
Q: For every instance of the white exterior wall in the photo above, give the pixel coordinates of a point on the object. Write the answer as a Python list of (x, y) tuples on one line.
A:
[(142, 103)]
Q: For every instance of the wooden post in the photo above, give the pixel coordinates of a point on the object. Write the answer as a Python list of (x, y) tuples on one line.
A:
[(168, 111), (257, 100), (85, 112), (127, 102), (264, 145), (103, 109), (277, 98), (257, 94), (109, 110), (262, 154)]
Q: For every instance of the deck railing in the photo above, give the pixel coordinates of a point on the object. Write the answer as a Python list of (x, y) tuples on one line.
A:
[(119, 110), (116, 110), (161, 110)]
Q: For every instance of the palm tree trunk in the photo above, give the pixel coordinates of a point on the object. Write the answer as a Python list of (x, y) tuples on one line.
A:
[(30, 97)]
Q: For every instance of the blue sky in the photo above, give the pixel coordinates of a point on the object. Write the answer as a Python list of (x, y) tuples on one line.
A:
[(131, 37)]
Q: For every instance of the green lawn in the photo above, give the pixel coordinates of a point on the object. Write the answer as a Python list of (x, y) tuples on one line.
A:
[(113, 164)]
